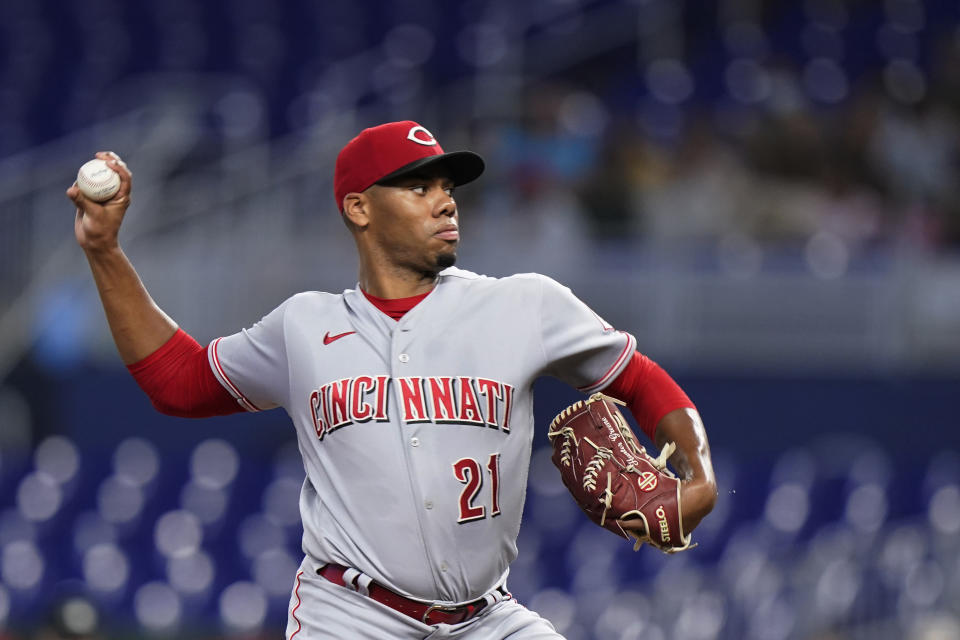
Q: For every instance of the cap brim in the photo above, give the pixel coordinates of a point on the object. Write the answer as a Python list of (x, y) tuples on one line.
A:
[(462, 167)]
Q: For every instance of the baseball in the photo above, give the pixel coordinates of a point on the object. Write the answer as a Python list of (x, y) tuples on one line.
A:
[(97, 181)]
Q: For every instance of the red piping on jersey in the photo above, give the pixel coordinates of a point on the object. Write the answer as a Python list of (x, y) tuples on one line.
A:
[(293, 612), (603, 379), (649, 392), (244, 400)]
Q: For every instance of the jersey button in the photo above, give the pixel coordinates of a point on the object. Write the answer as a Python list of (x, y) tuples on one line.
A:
[(443, 566), (414, 441), (404, 357), (428, 504)]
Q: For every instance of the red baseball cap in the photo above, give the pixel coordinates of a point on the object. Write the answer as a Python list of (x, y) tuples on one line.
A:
[(394, 149)]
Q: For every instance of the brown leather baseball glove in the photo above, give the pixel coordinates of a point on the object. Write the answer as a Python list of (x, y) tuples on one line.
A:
[(612, 477)]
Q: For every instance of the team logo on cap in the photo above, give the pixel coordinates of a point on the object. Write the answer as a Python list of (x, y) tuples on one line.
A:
[(421, 136)]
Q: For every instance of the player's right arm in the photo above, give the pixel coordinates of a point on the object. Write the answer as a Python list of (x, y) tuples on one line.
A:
[(168, 364), (139, 327)]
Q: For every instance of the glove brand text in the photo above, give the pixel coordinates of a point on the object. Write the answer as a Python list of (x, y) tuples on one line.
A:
[(664, 527)]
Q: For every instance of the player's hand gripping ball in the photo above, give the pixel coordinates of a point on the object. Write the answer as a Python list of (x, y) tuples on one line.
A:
[(612, 477), (98, 181)]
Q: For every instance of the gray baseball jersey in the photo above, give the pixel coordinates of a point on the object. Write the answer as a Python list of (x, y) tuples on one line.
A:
[(416, 434)]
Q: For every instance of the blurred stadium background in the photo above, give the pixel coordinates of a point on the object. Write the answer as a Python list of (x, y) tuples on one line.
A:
[(764, 192)]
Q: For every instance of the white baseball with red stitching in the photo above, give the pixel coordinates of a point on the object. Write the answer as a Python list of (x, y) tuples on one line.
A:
[(98, 181)]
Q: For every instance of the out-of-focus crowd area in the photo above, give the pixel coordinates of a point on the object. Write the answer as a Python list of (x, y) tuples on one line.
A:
[(828, 128), (764, 192), (735, 119), (796, 155)]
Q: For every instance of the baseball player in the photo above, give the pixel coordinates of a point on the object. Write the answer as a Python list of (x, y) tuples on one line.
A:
[(411, 395)]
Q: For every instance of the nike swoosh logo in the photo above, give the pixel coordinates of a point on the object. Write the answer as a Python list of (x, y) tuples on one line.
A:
[(327, 339)]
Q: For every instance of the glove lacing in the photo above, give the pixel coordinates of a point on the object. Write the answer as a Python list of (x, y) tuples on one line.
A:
[(606, 499), (567, 448), (594, 466)]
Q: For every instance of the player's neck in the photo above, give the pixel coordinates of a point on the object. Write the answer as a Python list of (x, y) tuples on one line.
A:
[(392, 283)]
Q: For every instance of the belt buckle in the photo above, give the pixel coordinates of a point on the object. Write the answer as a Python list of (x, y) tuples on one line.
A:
[(439, 607)]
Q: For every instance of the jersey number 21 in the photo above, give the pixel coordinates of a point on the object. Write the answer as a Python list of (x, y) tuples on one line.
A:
[(469, 472)]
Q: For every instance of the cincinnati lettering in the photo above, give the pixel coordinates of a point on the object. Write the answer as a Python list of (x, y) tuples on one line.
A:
[(439, 399)]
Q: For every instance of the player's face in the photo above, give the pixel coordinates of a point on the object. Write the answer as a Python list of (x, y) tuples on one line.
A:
[(414, 223)]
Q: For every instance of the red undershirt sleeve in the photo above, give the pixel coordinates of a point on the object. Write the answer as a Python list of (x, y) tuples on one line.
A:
[(649, 392), (178, 380)]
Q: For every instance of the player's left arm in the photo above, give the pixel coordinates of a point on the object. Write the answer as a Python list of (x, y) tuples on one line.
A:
[(586, 352), (698, 485), (666, 414)]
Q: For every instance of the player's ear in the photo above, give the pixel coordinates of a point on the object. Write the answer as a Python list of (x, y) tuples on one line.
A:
[(356, 209)]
